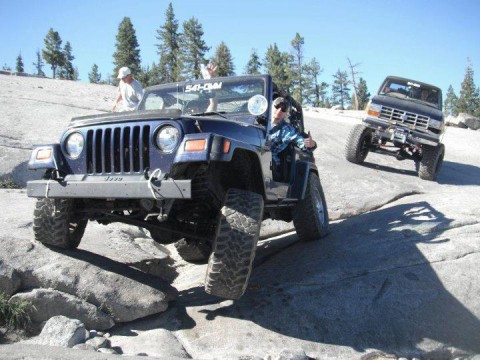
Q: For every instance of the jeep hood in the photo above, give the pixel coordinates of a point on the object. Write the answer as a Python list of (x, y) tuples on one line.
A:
[(110, 118), (408, 106)]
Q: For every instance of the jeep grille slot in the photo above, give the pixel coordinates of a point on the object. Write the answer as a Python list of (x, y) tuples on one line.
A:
[(403, 117), (118, 150)]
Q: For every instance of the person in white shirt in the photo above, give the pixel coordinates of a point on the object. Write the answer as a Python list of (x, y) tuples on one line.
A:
[(130, 91)]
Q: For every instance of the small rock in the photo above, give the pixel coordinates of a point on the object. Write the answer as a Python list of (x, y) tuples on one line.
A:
[(107, 351), (60, 331), (98, 342)]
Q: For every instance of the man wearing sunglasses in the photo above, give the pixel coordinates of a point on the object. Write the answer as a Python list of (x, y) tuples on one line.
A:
[(283, 133)]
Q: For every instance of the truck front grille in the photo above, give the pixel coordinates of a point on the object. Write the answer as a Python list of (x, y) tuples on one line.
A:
[(118, 150), (403, 117)]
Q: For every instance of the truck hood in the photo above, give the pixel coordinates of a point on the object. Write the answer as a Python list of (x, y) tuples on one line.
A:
[(110, 118), (408, 106)]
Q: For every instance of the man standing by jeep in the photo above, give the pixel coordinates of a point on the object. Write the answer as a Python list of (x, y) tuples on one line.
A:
[(283, 133), (129, 90)]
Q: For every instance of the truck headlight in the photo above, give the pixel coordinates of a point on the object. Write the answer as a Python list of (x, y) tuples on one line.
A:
[(74, 145), (374, 109), (167, 138), (435, 124)]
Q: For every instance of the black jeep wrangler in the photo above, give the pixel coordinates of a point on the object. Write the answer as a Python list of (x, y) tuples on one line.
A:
[(202, 179), (405, 120)]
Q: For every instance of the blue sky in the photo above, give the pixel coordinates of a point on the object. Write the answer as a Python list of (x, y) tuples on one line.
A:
[(426, 40)]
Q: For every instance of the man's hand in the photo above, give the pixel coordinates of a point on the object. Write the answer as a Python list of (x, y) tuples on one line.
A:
[(309, 142)]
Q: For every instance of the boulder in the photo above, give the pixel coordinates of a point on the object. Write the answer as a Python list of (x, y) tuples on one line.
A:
[(60, 331), (470, 121), (117, 289), (455, 121), (9, 280), (48, 303)]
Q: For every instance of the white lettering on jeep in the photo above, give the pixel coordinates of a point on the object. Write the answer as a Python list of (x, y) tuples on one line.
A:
[(203, 87)]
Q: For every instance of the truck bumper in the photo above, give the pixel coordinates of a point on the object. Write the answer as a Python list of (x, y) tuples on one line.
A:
[(415, 136), (110, 187)]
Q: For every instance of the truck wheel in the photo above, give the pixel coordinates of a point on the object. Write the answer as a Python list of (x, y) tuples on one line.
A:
[(231, 261), (431, 162), (54, 223), (356, 148), (193, 251), (310, 216)]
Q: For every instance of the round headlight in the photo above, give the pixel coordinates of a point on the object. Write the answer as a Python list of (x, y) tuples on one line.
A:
[(74, 145), (167, 138)]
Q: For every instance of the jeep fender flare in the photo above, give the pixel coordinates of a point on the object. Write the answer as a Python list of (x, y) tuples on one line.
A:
[(299, 185)]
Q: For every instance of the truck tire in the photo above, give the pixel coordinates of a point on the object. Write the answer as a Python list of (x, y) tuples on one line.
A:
[(310, 215), (231, 261), (193, 251), (356, 149), (54, 223), (432, 160)]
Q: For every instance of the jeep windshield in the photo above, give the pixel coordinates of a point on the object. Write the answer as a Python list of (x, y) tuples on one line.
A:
[(225, 97), (411, 90)]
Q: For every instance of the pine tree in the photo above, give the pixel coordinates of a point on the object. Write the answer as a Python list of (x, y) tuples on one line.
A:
[(298, 79), (94, 76), (193, 48), (67, 71), (19, 66), (363, 96), (169, 48), (127, 51), (469, 99), (53, 53), (314, 91), (223, 60), (254, 65), (276, 65), (450, 103), (340, 88), (39, 65)]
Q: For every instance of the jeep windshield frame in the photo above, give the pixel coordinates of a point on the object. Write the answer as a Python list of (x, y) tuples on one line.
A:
[(227, 96), (411, 90)]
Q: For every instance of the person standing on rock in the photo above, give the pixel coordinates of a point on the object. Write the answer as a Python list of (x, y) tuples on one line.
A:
[(130, 91)]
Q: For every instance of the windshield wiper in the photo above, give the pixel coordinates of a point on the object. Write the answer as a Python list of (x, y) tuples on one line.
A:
[(210, 113)]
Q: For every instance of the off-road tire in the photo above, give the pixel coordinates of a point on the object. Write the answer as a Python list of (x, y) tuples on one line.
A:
[(310, 215), (55, 223), (356, 149), (230, 263), (162, 237), (432, 160), (193, 251)]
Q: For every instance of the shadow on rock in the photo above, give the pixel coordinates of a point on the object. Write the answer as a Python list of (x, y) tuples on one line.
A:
[(451, 173), (366, 285), (125, 270)]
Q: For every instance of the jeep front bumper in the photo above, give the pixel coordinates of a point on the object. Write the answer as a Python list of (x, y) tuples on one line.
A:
[(414, 136), (110, 187)]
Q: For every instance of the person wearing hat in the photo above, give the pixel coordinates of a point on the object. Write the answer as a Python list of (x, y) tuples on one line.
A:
[(129, 90), (282, 133)]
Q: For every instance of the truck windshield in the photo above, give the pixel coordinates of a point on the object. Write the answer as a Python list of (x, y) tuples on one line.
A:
[(221, 95), (411, 90)]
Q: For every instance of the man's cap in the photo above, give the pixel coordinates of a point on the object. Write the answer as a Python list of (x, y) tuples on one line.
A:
[(281, 100), (123, 71)]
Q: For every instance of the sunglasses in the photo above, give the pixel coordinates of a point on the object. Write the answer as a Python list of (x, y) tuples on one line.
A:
[(282, 106)]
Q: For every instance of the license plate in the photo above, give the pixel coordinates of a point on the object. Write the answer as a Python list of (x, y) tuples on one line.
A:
[(399, 136)]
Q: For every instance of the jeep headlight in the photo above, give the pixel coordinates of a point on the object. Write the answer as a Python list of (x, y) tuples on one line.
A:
[(167, 138), (74, 145), (436, 124), (374, 109)]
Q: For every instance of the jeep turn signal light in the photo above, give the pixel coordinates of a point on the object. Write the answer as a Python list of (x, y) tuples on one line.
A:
[(196, 145), (226, 146), (43, 154)]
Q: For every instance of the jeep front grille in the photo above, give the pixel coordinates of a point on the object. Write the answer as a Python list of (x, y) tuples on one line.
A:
[(118, 150), (403, 117)]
